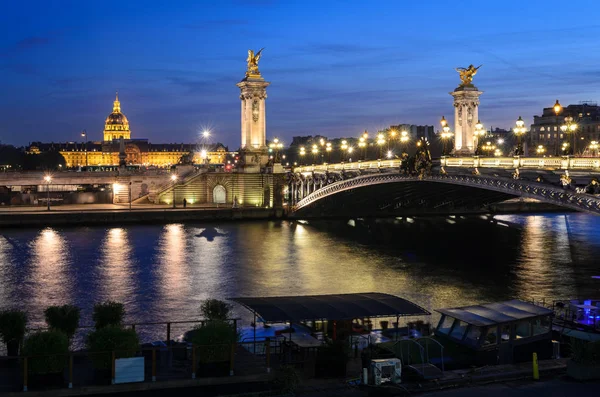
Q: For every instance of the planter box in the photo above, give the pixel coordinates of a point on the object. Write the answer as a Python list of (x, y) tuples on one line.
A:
[(582, 371)]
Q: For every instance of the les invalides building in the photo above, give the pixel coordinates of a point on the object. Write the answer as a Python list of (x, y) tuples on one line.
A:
[(139, 152)]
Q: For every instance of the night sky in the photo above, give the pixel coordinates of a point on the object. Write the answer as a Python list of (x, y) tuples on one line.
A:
[(335, 69)]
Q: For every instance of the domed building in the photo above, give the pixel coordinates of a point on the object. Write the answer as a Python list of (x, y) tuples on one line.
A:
[(116, 125), (138, 152)]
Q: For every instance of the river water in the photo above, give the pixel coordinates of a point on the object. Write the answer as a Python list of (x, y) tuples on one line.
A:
[(163, 272)]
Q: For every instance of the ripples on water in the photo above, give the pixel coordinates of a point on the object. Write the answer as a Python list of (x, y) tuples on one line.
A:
[(162, 273)]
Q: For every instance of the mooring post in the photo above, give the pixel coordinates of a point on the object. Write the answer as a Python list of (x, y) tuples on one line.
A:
[(25, 374), (153, 364), (70, 371), (268, 353)]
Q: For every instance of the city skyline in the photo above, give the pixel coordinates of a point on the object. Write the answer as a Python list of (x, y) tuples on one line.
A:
[(176, 69)]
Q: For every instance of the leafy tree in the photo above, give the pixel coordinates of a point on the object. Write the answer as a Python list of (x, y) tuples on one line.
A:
[(124, 342), (213, 340), (63, 318), (215, 309), (50, 349), (108, 313), (13, 324), (10, 155)]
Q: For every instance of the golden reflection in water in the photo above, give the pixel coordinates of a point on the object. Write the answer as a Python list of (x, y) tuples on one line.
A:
[(49, 263), (116, 267), (6, 275), (545, 268), (172, 267), (208, 252)]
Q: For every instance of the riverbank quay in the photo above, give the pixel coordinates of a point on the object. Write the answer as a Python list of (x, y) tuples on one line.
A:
[(106, 214), (458, 382)]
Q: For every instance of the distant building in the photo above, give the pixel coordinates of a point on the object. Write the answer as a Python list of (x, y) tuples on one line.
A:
[(138, 151), (546, 131)]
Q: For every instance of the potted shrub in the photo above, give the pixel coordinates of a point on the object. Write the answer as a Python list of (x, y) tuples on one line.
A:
[(108, 313), (585, 360), (63, 318), (48, 357), (215, 309), (103, 341), (212, 342), (13, 324)]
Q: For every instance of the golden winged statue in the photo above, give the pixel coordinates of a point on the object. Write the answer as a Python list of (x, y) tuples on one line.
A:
[(466, 74), (253, 63)]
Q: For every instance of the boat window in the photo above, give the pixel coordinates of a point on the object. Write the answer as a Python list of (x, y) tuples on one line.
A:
[(491, 338), (505, 333), (458, 331), (523, 329), (541, 325), (445, 324), (473, 335)]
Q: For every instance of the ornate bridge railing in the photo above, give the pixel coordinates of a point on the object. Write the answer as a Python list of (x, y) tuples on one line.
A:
[(520, 188)]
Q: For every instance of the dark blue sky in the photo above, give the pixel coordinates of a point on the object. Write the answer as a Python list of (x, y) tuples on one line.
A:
[(335, 67)]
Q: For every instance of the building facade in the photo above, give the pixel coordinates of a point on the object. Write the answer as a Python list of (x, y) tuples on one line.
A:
[(546, 129), (138, 152)]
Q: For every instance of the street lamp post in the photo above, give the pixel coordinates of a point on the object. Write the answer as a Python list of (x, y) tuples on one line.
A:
[(363, 145), (519, 131), (380, 142), (48, 180), (392, 138), (129, 195), (315, 152), (404, 138), (302, 154), (446, 135), (174, 179), (328, 149), (479, 134), (557, 109), (365, 136), (594, 147), (344, 147), (84, 136), (570, 128), (541, 150)]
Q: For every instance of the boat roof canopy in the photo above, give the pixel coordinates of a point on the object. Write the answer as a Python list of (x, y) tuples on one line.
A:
[(330, 307), (496, 313)]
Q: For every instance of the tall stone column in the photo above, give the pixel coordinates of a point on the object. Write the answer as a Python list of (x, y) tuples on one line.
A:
[(466, 115), (253, 121)]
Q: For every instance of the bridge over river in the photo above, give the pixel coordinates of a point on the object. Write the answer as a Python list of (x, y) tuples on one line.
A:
[(378, 188)]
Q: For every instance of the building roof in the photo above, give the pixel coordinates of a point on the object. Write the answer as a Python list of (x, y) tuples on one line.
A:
[(331, 307), (496, 313)]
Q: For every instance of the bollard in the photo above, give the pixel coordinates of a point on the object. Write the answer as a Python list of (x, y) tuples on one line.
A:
[(536, 372), (193, 361), (231, 359), (154, 365), (113, 358), (70, 371), (25, 374), (268, 354), (365, 376)]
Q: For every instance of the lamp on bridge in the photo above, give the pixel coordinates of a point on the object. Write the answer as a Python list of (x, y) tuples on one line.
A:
[(276, 146), (570, 127), (350, 150), (363, 145), (84, 136), (328, 149), (48, 180), (594, 148), (540, 150), (446, 135), (557, 109), (302, 153), (479, 135), (393, 134), (344, 147), (565, 148), (404, 138), (315, 152), (519, 131), (380, 142)]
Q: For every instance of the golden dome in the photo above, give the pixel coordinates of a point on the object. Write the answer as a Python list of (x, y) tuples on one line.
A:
[(116, 124)]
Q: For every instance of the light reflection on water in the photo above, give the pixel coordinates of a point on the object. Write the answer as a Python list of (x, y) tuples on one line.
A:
[(162, 273)]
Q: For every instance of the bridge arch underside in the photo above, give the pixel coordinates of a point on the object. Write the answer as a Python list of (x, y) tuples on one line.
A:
[(403, 198)]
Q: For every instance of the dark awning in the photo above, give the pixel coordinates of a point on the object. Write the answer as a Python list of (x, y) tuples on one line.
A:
[(496, 313), (330, 307)]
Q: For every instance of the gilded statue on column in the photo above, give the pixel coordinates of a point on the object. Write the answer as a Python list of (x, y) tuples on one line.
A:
[(466, 74), (252, 61)]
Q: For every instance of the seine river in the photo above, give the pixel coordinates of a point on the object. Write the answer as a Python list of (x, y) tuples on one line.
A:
[(163, 272)]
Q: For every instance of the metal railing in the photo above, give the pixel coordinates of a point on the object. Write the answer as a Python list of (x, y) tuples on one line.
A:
[(537, 190)]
